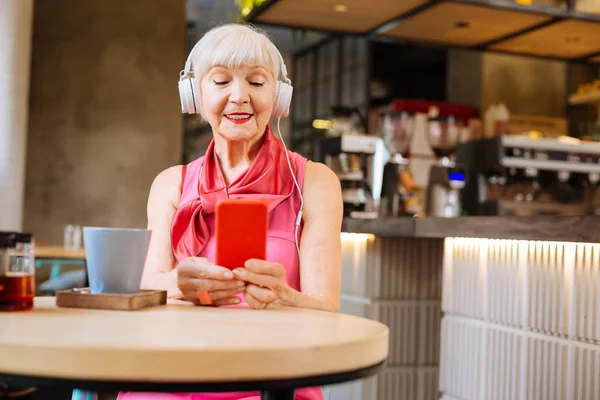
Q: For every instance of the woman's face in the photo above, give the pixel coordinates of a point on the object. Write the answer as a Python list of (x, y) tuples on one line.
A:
[(238, 102)]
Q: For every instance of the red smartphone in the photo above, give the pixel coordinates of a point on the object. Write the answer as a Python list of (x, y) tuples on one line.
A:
[(241, 231)]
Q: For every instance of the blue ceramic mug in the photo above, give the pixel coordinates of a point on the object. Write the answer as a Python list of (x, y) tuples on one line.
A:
[(115, 258)]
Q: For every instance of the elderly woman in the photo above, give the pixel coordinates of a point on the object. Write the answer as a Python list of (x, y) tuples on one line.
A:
[(238, 74)]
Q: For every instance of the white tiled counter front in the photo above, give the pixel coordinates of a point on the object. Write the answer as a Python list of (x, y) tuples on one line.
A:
[(521, 320), (396, 281)]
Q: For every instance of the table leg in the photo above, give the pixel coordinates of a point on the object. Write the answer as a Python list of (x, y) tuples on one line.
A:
[(287, 394)]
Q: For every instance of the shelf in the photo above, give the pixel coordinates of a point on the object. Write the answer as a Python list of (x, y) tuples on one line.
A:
[(587, 98), (493, 25)]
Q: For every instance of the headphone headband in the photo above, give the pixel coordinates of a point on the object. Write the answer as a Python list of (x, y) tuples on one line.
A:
[(187, 72)]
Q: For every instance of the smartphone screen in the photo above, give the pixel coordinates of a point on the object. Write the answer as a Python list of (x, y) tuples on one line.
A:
[(241, 231)]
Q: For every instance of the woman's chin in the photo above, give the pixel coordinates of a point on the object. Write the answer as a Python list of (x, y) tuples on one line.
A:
[(240, 132)]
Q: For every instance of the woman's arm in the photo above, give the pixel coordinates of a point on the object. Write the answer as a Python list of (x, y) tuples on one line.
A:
[(320, 248), (159, 270)]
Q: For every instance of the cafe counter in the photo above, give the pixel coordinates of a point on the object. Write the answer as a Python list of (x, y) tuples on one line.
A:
[(478, 306), (555, 228)]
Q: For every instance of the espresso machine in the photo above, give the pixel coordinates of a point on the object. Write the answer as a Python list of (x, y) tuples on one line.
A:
[(358, 162), (446, 177), (520, 175)]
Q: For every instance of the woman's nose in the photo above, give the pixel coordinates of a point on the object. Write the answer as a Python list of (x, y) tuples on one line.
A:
[(239, 93)]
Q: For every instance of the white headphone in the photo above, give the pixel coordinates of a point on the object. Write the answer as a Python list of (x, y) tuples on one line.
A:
[(189, 96)]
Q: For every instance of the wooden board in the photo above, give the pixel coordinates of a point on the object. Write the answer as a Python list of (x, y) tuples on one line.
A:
[(566, 39), (439, 24), (82, 298), (361, 16)]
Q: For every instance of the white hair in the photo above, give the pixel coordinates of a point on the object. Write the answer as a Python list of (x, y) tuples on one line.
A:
[(235, 45)]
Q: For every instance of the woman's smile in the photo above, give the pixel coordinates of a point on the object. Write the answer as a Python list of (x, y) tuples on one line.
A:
[(238, 118)]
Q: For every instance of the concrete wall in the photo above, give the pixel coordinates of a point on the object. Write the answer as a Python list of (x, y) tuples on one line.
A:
[(525, 84), (464, 77), (104, 110)]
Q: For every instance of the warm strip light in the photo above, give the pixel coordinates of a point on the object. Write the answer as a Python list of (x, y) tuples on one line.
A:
[(477, 241), (341, 8), (356, 237)]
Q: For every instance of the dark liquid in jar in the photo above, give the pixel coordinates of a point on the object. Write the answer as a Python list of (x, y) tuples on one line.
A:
[(16, 292)]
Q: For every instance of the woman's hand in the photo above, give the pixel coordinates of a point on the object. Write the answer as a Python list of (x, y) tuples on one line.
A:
[(265, 282), (197, 274)]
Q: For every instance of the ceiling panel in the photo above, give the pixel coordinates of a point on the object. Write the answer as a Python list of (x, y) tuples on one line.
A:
[(360, 16), (565, 39), (464, 25)]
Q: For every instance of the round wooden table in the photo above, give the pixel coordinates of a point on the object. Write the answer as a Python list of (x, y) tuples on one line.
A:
[(182, 348)]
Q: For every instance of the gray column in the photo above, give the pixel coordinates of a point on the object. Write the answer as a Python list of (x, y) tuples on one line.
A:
[(105, 114), (15, 45)]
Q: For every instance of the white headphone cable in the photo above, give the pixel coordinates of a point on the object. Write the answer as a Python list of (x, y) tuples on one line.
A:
[(299, 217)]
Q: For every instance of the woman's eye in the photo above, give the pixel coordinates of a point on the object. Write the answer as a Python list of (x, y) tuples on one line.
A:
[(257, 83), (220, 83)]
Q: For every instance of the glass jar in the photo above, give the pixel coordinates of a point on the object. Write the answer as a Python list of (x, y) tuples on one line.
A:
[(17, 271)]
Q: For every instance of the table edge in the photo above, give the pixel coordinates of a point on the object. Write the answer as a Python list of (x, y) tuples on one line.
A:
[(178, 386)]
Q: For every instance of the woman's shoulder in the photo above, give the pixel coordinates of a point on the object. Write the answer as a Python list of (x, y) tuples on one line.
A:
[(321, 183), (321, 174), (169, 177), (166, 186), (322, 193)]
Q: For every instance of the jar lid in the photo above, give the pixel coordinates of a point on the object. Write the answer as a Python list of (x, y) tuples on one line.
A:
[(23, 237), (7, 240)]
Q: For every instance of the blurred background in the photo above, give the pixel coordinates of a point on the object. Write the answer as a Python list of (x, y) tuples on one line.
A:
[(422, 108), (91, 114)]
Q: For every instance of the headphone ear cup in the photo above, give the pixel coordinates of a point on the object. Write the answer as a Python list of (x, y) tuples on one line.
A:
[(187, 96), (283, 100)]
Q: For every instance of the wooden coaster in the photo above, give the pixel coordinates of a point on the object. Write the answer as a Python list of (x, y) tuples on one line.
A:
[(82, 298)]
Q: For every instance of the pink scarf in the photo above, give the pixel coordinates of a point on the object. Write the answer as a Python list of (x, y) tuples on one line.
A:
[(268, 178)]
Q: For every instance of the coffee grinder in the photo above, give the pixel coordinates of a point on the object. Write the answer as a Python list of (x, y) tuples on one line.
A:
[(396, 128), (446, 178)]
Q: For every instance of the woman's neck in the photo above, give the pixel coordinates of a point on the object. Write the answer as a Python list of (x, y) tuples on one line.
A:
[(236, 156)]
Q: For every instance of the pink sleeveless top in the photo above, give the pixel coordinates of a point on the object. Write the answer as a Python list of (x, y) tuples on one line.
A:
[(281, 248)]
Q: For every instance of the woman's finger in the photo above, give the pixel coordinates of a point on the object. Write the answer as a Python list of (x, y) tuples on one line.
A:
[(195, 267), (263, 295), (224, 294), (211, 285), (253, 302), (226, 302), (265, 267), (208, 285), (191, 296), (246, 275)]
